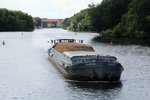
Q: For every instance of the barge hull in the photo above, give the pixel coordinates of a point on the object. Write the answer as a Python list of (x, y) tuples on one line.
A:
[(101, 72)]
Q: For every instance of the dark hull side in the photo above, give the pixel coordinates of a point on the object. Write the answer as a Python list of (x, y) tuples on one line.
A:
[(101, 71)]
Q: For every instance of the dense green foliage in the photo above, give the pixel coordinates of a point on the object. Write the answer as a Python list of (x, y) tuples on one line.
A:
[(114, 18), (15, 21), (37, 22)]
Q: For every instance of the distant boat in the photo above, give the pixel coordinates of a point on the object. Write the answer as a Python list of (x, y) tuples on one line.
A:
[(3, 42), (80, 62)]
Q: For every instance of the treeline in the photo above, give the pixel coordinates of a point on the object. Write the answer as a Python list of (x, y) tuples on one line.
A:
[(15, 21), (114, 18)]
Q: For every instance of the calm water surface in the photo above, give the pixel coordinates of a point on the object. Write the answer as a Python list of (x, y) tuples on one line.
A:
[(27, 74)]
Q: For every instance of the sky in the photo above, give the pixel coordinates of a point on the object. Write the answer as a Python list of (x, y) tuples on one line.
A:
[(48, 8)]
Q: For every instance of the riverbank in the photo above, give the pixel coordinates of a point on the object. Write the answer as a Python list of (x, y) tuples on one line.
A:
[(121, 41)]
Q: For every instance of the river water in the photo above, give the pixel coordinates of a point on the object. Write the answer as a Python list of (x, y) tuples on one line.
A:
[(27, 74)]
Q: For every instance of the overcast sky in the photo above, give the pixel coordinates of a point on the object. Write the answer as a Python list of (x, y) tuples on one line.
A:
[(48, 8)]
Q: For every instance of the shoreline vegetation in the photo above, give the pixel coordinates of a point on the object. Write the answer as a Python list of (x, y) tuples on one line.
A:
[(15, 21), (114, 19), (121, 41)]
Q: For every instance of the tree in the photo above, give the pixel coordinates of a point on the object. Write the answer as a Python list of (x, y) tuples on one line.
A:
[(114, 18), (15, 21)]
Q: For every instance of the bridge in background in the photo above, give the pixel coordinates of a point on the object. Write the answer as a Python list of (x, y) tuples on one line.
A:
[(47, 23)]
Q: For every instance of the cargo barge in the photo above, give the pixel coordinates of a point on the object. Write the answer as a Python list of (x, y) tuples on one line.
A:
[(78, 61)]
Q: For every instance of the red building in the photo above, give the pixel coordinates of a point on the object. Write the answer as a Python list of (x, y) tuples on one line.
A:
[(51, 22)]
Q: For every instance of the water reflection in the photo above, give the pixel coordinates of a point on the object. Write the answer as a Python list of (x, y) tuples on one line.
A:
[(96, 85), (96, 90)]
